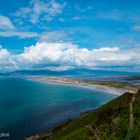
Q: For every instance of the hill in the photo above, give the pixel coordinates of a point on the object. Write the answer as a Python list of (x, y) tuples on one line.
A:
[(116, 120)]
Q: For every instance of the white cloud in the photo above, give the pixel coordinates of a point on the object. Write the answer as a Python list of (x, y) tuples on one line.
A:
[(44, 36), (107, 49), (6, 60), (61, 56), (6, 23), (82, 9), (39, 10), (19, 34), (3, 53), (52, 36), (56, 53)]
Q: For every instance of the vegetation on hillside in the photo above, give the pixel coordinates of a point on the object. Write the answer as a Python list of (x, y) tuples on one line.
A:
[(117, 120), (109, 122)]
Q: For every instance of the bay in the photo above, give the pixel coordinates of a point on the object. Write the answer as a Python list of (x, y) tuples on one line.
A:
[(30, 107)]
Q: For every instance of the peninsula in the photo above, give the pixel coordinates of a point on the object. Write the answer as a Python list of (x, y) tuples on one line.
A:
[(113, 87)]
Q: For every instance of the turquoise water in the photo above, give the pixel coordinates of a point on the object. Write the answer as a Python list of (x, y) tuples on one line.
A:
[(29, 107)]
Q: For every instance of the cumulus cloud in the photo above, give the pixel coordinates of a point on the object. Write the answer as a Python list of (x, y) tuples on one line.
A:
[(61, 56), (56, 53), (6, 60), (39, 10), (6, 23)]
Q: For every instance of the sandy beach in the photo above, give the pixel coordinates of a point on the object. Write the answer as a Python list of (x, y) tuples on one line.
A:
[(73, 82)]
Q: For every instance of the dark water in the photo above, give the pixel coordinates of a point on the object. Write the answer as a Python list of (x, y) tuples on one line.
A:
[(30, 107)]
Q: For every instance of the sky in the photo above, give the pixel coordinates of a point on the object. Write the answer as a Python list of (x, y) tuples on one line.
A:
[(65, 34)]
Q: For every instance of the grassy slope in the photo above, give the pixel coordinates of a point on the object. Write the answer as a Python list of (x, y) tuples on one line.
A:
[(136, 133), (109, 122)]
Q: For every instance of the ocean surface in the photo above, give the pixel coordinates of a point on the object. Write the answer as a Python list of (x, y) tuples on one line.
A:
[(30, 107)]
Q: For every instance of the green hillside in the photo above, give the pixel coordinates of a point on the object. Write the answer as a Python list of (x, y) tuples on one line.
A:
[(109, 122), (116, 120)]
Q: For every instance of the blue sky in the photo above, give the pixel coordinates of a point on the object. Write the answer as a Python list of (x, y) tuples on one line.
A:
[(101, 34)]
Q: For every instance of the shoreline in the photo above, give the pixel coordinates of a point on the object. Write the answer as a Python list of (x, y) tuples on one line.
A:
[(110, 90), (57, 128)]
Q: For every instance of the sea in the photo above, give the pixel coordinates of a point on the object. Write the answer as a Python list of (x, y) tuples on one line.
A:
[(29, 107)]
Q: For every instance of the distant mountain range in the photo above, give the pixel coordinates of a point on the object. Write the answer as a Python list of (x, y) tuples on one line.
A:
[(72, 72)]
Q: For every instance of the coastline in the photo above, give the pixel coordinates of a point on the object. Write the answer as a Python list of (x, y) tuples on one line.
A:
[(83, 84), (73, 82)]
